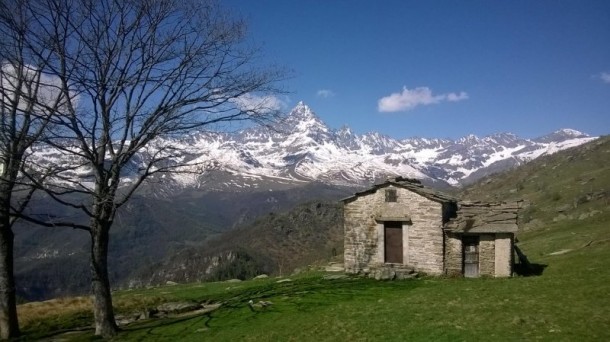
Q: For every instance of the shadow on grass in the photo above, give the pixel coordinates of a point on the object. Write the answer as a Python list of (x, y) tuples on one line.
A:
[(300, 295), (151, 331), (530, 270), (525, 268)]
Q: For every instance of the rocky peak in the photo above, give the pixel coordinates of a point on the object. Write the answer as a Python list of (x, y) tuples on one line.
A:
[(504, 139), (562, 135), (424, 143), (345, 131), (302, 119), (470, 139), (379, 143)]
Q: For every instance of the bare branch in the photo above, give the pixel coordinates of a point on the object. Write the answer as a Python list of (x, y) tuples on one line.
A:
[(50, 223)]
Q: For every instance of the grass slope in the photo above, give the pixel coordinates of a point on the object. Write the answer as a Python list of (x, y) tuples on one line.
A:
[(566, 230)]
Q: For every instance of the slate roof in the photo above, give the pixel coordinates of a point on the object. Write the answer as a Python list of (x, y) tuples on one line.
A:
[(409, 184), (481, 217)]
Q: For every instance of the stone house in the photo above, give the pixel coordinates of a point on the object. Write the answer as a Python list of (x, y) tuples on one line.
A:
[(399, 227)]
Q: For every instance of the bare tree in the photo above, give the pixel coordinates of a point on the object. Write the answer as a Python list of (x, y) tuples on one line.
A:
[(136, 73), (28, 99)]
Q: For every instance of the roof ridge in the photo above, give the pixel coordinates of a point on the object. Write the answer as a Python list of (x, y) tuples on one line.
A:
[(409, 184)]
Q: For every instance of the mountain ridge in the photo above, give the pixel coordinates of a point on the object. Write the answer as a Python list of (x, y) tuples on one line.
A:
[(302, 148)]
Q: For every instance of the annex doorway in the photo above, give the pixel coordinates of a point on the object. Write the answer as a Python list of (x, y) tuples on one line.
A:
[(471, 256)]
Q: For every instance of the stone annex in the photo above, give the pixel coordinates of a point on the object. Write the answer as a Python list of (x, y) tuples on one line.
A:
[(400, 227)]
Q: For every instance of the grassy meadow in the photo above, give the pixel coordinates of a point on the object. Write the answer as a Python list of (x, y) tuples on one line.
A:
[(569, 301)]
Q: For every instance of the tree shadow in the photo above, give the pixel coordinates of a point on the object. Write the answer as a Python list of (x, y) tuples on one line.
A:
[(152, 332)]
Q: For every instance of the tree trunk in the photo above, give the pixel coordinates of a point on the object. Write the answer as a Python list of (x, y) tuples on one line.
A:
[(9, 324), (103, 312)]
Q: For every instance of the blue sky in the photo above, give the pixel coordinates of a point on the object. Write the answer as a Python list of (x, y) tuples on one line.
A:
[(441, 69)]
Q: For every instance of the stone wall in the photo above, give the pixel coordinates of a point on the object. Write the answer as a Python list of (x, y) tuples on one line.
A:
[(453, 254), (487, 255), (504, 255), (422, 233), (360, 234)]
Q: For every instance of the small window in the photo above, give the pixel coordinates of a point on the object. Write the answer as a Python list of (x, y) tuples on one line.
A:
[(390, 195)]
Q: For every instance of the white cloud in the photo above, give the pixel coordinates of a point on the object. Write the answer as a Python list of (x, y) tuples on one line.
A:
[(605, 77), (325, 93), (453, 97), (411, 98), (42, 89), (260, 104)]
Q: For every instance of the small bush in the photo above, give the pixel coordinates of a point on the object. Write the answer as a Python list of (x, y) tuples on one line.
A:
[(526, 215), (556, 196)]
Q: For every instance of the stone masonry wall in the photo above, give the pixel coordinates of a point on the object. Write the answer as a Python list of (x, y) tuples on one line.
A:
[(453, 255), (424, 237), (487, 255), (360, 234)]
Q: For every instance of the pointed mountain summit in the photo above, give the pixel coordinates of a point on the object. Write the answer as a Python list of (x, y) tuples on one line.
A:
[(302, 119)]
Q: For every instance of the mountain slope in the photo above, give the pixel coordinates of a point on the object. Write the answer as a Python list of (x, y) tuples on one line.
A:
[(275, 243), (568, 187), (147, 231)]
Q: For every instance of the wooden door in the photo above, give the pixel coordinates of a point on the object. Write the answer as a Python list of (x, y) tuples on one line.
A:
[(471, 256), (393, 241)]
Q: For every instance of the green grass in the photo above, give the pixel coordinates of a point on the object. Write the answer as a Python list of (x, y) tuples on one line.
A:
[(569, 301)]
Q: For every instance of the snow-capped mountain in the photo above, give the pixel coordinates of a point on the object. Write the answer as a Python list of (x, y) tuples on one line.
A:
[(302, 148)]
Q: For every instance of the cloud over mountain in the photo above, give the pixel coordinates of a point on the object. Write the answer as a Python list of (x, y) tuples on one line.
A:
[(325, 93), (253, 102), (411, 98)]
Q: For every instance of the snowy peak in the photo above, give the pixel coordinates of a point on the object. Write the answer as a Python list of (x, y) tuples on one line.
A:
[(378, 143), (469, 139), (301, 107), (506, 139), (562, 135), (302, 119), (345, 131)]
